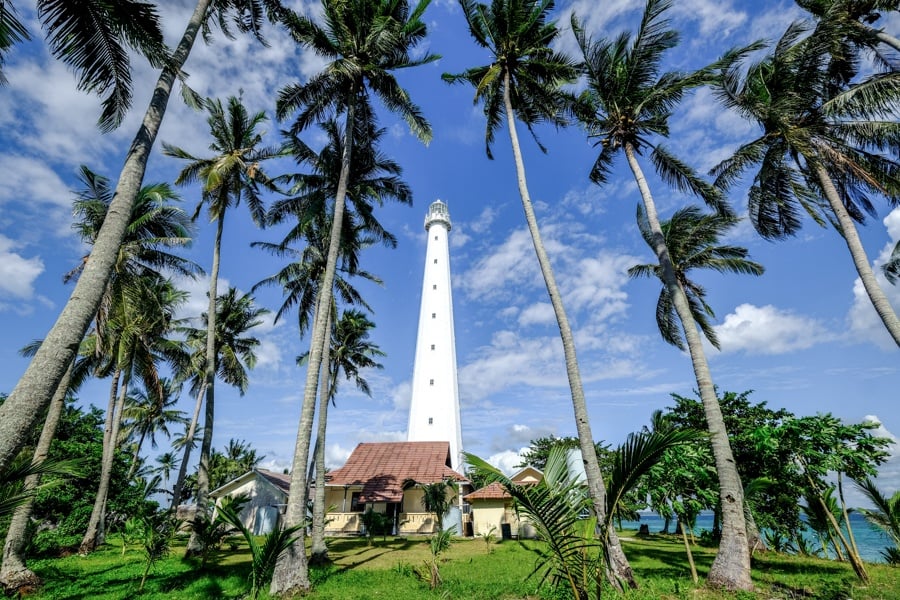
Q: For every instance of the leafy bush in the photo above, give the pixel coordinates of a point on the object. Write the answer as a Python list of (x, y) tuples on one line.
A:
[(212, 532), (155, 534), (376, 523)]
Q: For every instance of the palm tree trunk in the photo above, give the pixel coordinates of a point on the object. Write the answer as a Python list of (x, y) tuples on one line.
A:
[(14, 573), (319, 550), (855, 561), (194, 545), (690, 554), (846, 514), (888, 39), (291, 575), (754, 539), (731, 567), (857, 252), (34, 390), (96, 529), (617, 561), (188, 442), (135, 456)]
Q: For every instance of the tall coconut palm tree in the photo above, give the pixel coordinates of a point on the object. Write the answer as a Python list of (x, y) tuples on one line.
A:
[(351, 350), (523, 82), (854, 20), (628, 102), (138, 324), (146, 415), (819, 141), (14, 573), (235, 354), (37, 385), (692, 239), (365, 41), (373, 179), (232, 174), (155, 226), (166, 463), (92, 37)]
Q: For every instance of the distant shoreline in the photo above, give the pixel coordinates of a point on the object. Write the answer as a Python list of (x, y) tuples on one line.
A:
[(871, 541)]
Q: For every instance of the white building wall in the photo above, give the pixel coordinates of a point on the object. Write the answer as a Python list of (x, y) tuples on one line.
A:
[(434, 409)]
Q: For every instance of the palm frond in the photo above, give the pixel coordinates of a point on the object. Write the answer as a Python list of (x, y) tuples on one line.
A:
[(90, 37), (679, 175), (891, 268)]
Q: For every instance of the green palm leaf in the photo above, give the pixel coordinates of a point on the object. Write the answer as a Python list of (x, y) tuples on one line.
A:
[(91, 36)]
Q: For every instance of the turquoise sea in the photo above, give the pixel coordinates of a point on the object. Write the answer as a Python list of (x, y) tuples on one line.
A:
[(870, 540)]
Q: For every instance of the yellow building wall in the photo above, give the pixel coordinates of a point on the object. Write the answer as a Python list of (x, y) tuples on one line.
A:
[(487, 514)]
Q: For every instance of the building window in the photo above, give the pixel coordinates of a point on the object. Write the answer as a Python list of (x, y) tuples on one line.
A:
[(430, 421), (435, 238), (434, 287), (355, 504), (434, 315), (435, 261), (432, 346), (431, 382)]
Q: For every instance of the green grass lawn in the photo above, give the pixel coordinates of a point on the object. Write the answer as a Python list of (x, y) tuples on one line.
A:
[(387, 570)]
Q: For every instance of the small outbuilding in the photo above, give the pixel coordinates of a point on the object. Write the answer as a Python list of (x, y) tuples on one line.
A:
[(492, 508), (268, 492)]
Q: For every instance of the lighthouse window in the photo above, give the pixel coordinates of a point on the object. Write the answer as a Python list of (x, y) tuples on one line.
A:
[(431, 382), (432, 346), (434, 315), (435, 261), (435, 238), (430, 421), (434, 287)]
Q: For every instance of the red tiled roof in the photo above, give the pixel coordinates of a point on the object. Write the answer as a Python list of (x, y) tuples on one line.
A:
[(494, 491), (381, 468)]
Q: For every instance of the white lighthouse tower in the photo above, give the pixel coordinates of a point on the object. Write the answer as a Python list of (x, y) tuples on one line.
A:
[(434, 409)]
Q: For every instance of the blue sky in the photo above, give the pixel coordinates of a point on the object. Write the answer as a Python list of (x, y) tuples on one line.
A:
[(802, 336)]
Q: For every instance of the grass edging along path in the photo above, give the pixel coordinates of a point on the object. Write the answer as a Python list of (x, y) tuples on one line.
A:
[(386, 570)]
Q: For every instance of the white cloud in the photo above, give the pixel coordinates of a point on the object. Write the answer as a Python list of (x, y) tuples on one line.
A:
[(401, 395), (33, 197), (336, 455), (768, 330), (507, 460), (483, 223), (865, 324), (596, 283), (512, 360), (518, 435), (17, 273), (512, 262), (713, 17), (540, 313), (268, 353)]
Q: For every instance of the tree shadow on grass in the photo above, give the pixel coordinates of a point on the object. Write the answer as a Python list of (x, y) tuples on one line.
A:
[(780, 565)]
